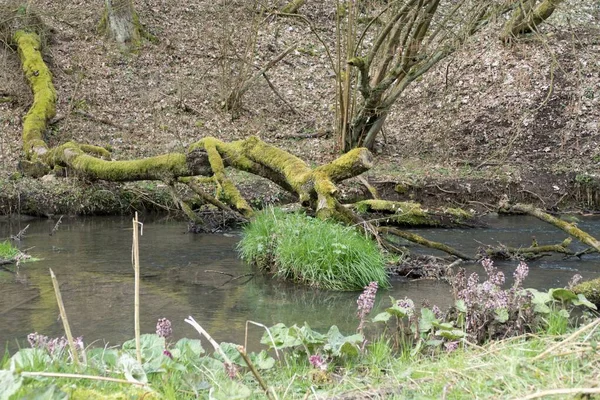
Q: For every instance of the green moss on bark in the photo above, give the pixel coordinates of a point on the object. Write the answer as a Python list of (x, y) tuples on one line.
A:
[(44, 95)]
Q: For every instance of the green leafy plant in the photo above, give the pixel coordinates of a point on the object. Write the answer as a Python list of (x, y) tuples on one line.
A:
[(313, 252)]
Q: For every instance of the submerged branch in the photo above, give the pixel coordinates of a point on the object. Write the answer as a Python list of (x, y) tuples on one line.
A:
[(424, 242)]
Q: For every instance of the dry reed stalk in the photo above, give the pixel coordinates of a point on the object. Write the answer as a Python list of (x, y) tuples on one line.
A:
[(77, 376), (63, 317), (567, 340), (136, 301), (190, 320), (261, 382)]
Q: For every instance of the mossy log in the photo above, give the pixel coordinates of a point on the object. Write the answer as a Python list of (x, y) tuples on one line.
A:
[(567, 227), (412, 214), (528, 253), (412, 237), (44, 95)]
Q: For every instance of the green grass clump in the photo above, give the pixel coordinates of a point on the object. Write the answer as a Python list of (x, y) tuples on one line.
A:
[(313, 252), (8, 251)]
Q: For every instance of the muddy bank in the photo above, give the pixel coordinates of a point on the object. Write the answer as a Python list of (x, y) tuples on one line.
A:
[(50, 195)]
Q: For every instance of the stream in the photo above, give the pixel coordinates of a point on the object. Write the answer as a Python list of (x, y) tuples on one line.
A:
[(200, 275)]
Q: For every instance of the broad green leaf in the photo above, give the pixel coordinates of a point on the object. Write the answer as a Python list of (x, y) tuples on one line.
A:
[(29, 359), (451, 335), (229, 390), (151, 347), (189, 348), (132, 369), (501, 315), (47, 393), (231, 351), (461, 306), (542, 308), (563, 294), (446, 326), (308, 336), (434, 342), (9, 384), (262, 360), (582, 301), (282, 336), (103, 358), (539, 298), (382, 317), (564, 313), (427, 320), (398, 311), (338, 344)]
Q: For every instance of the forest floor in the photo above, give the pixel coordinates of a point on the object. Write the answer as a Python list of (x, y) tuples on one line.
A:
[(490, 120)]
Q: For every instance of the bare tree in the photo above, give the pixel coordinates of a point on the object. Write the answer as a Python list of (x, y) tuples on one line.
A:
[(408, 38)]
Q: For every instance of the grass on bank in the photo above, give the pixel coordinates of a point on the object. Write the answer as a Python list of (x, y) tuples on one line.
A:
[(307, 250), (525, 367)]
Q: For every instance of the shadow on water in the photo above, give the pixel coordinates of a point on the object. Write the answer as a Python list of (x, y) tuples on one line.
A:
[(185, 274)]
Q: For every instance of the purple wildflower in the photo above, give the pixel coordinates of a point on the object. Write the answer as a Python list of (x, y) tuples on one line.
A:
[(365, 303), (167, 353), (408, 305), (520, 274), (317, 361), (163, 328), (437, 312), (451, 346), (231, 370)]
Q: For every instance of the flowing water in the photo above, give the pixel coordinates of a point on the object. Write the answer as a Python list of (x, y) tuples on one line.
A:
[(200, 275)]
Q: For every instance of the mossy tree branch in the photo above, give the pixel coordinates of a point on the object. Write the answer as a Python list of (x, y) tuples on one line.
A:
[(567, 227), (413, 237), (527, 16), (412, 214)]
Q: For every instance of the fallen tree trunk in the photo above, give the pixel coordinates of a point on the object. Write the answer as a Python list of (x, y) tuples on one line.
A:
[(567, 227), (412, 214)]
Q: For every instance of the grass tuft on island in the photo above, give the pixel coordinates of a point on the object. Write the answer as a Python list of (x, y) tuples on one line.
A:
[(313, 252)]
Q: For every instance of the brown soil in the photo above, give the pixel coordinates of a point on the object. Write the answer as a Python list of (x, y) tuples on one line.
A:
[(489, 120)]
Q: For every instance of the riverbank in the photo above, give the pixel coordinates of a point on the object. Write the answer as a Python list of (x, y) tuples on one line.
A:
[(479, 190), (537, 365)]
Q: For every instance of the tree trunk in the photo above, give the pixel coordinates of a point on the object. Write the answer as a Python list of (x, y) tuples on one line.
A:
[(120, 22), (363, 129)]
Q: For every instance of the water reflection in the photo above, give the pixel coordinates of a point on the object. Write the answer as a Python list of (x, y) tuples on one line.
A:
[(184, 274)]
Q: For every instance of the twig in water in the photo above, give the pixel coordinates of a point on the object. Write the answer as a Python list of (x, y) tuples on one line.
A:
[(20, 235), (63, 316), (56, 226)]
